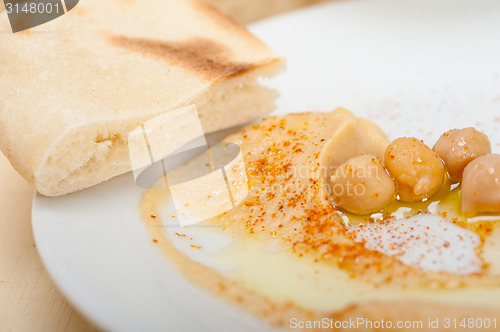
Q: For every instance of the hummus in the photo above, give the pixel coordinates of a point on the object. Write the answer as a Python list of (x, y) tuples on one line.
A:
[(294, 255)]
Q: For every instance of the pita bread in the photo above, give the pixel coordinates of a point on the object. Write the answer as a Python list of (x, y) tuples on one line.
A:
[(246, 11), (73, 88)]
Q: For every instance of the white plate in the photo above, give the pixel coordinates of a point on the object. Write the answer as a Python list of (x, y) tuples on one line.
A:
[(415, 67)]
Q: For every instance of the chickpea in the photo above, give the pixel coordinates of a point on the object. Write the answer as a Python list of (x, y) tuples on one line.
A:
[(416, 169), (361, 185), (481, 185), (458, 147)]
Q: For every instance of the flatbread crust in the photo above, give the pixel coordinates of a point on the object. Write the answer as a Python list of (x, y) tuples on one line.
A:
[(73, 88), (246, 11)]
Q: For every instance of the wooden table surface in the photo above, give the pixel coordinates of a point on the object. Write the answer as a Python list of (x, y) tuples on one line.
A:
[(29, 300)]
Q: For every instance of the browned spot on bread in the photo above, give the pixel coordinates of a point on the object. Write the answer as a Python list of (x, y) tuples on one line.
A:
[(78, 11), (26, 32), (214, 16), (220, 18), (202, 56), (128, 2)]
